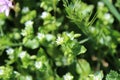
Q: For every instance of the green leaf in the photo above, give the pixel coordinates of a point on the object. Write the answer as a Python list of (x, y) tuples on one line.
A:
[(78, 49), (6, 72), (83, 68), (31, 15), (113, 75), (31, 43)]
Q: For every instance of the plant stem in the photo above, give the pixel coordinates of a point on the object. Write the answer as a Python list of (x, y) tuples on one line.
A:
[(1, 31)]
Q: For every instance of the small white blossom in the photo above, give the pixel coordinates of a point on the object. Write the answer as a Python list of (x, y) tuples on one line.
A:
[(28, 78), (49, 37), (38, 64), (44, 15), (100, 4), (29, 23), (68, 76), (10, 51), (59, 40), (107, 16), (28, 28), (16, 73), (25, 9), (24, 33), (22, 54), (1, 71), (40, 36), (96, 78)]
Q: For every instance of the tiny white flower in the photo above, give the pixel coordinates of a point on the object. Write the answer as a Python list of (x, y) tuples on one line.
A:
[(44, 15), (1, 71), (38, 64), (16, 73), (96, 78), (24, 33), (49, 37), (22, 54), (10, 51), (68, 76), (100, 4), (59, 40), (25, 9), (28, 78), (29, 23), (40, 36), (107, 16)]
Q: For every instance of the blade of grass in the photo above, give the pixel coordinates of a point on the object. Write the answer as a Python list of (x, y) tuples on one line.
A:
[(112, 9), (1, 31), (93, 19)]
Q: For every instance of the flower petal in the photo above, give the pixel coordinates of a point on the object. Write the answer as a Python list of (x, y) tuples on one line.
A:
[(2, 2), (7, 12), (2, 8), (5, 6)]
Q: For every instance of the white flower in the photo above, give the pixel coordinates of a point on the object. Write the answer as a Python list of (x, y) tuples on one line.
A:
[(38, 64), (100, 4), (1, 71), (40, 36), (107, 16), (28, 28), (16, 73), (22, 54), (25, 9), (49, 37), (10, 51), (29, 23), (68, 76), (24, 33), (28, 78), (5, 6), (44, 15), (59, 40)]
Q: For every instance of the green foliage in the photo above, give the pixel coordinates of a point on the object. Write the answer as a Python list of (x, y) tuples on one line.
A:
[(60, 40), (100, 32), (28, 16), (113, 75), (79, 13), (83, 68), (5, 72), (112, 9), (117, 3)]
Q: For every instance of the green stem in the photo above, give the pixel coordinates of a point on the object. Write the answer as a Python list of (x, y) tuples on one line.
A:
[(1, 31), (13, 45)]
